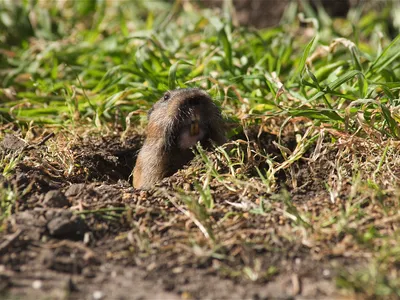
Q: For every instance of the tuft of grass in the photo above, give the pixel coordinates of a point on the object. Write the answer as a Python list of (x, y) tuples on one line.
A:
[(8, 197)]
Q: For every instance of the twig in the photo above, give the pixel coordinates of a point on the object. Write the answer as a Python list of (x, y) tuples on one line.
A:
[(189, 215), (89, 253), (9, 240), (42, 142)]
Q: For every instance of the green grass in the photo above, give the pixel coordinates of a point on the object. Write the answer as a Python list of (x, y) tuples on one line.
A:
[(289, 70), (335, 83)]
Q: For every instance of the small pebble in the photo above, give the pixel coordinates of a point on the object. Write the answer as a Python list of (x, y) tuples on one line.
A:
[(37, 284), (87, 237), (55, 198), (98, 295), (326, 272)]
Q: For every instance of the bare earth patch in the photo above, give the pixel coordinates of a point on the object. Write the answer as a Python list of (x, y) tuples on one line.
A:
[(89, 234)]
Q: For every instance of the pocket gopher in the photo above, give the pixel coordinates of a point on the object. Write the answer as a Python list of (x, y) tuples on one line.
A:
[(177, 121)]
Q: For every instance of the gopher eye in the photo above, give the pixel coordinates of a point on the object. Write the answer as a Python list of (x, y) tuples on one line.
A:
[(167, 95)]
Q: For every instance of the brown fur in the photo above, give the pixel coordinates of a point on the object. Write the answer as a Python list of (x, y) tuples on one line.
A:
[(162, 154)]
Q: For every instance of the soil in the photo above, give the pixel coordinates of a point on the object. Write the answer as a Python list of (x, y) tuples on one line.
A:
[(88, 234)]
